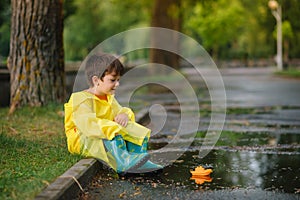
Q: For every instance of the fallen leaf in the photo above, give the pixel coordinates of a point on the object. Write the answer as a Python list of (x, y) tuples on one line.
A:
[(122, 195), (45, 182), (61, 113), (137, 193)]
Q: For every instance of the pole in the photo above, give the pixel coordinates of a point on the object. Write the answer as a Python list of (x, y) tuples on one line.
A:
[(279, 40)]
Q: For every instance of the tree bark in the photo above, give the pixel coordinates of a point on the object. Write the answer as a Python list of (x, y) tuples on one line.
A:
[(286, 52), (36, 58), (166, 14)]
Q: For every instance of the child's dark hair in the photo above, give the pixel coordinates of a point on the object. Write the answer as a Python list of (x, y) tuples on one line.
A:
[(101, 64)]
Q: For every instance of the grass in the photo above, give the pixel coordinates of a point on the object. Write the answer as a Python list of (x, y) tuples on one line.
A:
[(291, 73), (33, 150), (231, 138), (205, 111)]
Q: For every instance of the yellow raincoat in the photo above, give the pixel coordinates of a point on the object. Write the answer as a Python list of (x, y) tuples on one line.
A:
[(89, 119)]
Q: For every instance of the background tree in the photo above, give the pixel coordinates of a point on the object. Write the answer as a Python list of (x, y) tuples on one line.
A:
[(166, 14), (291, 14), (218, 24), (232, 30), (241, 28), (36, 58), (247, 25), (97, 20)]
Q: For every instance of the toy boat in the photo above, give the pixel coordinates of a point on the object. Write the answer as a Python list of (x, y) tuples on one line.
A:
[(200, 171)]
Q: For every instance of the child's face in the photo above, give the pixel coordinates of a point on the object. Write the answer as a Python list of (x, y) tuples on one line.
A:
[(108, 84)]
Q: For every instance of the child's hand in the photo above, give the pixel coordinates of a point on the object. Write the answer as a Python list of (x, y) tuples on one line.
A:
[(121, 119)]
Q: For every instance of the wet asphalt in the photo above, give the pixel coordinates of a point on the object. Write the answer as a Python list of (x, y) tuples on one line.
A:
[(257, 155)]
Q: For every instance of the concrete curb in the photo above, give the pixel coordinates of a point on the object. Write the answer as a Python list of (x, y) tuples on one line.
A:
[(68, 185), (71, 182)]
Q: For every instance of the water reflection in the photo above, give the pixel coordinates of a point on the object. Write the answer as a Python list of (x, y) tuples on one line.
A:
[(238, 170), (245, 139), (202, 179)]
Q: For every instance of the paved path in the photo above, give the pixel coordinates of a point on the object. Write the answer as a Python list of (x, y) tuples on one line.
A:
[(256, 157), (258, 87)]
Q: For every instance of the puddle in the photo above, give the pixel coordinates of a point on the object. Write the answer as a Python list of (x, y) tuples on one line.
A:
[(237, 140), (251, 139), (235, 175), (257, 158), (237, 170)]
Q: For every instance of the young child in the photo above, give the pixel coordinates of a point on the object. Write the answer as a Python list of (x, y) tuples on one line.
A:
[(97, 126)]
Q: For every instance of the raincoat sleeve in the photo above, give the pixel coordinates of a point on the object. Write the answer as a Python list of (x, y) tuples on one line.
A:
[(90, 125), (119, 109)]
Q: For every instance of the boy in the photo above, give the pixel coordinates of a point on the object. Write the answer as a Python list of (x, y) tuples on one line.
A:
[(97, 126)]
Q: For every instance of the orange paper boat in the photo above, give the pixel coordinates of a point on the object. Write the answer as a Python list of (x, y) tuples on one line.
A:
[(200, 171)]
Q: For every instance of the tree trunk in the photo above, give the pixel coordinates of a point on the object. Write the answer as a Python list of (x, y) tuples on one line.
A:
[(36, 58), (166, 14), (286, 52)]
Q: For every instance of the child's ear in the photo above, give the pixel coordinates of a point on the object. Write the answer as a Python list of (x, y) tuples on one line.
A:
[(95, 80)]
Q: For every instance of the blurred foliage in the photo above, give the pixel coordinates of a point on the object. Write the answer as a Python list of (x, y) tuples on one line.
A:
[(217, 21), (5, 13), (98, 20), (239, 29)]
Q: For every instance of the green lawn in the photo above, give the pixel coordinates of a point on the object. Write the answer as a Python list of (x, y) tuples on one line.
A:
[(33, 150), (290, 73)]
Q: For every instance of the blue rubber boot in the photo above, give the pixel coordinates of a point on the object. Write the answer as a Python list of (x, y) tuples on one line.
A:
[(148, 166), (125, 161), (134, 148)]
